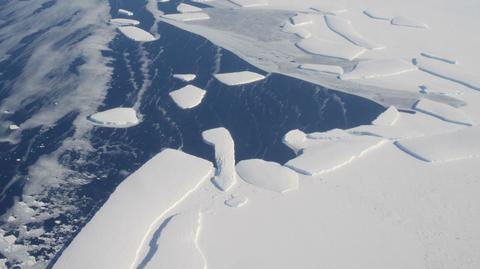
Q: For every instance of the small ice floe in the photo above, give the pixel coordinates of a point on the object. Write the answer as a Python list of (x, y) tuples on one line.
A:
[(224, 146), (238, 78), (120, 117), (408, 22), (387, 118), (378, 14), (236, 201), (330, 9), (131, 214), (451, 146), (268, 175), (13, 127), (379, 68), (301, 19), (449, 72), (136, 34), (250, 3), (439, 58), (125, 12), (185, 8), (185, 17), (188, 97), (177, 241), (325, 155), (443, 111), (330, 69), (124, 22), (324, 47), (344, 28), (185, 77)]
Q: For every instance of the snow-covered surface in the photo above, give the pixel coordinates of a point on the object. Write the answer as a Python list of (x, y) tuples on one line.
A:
[(188, 97), (238, 78), (443, 111), (331, 69), (330, 48), (250, 3), (136, 34), (452, 146), (185, 77), (185, 8), (120, 117), (344, 28), (387, 118), (268, 175), (116, 236), (379, 68), (236, 201), (189, 16), (408, 22), (224, 146), (124, 22)]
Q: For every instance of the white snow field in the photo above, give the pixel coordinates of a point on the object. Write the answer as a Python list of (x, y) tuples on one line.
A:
[(224, 147), (186, 17), (399, 193), (185, 8), (379, 68), (188, 97), (330, 69), (268, 175), (238, 78), (344, 28), (120, 117), (185, 77), (114, 237), (443, 111), (324, 47), (452, 146), (136, 34), (123, 22)]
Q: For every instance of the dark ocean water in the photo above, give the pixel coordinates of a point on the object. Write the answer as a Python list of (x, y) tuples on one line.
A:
[(257, 115)]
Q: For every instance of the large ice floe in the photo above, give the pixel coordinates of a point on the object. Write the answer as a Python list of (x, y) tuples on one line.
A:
[(379, 68), (224, 147), (136, 34), (325, 47), (122, 225), (186, 17), (188, 97), (120, 117), (238, 78)]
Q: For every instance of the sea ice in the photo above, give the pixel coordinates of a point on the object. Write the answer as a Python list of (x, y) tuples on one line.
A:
[(299, 31), (13, 127), (448, 72), (268, 175), (185, 17), (315, 45), (377, 14), (439, 58), (301, 19), (328, 155), (188, 97), (116, 236), (236, 201), (125, 12), (443, 111), (185, 77), (344, 28), (387, 118), (136, 34), (177, 245), (120, 117), (124, 22), (185, 8), (379, 68), (329, 9), (408, 22), (451, 146), (224, 147), (330, 69), (249, 3), (238, 78)]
